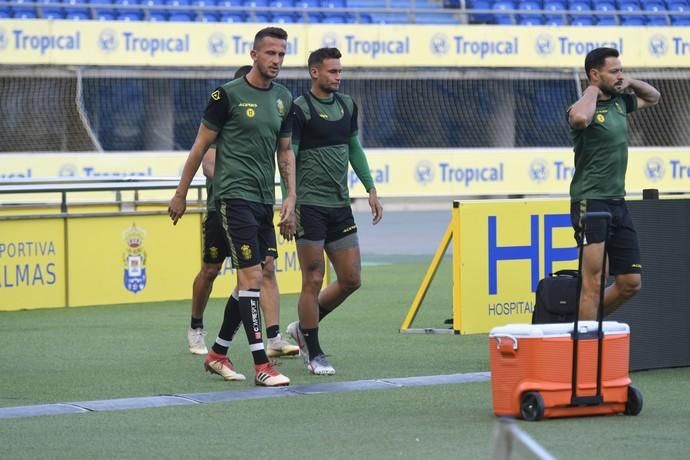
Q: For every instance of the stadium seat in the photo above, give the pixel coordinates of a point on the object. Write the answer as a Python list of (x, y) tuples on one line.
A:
[(679, 7), (633, 21), (581, 20), (333, 3), (5, 13), (631, 13), (105, 15), (129, 16), (281, 4), (526, 18), (207, 16), (78, 15), (601, 7), (606, 21), (232, 17), (435, 18), (558, 9), (503, 5), (392, 18), (366, 3), (535, 20), (284, 18), (362, 19), (479, 18), (256, 3), (654, 7), (229, 3), (334, 19), (308, 18), (554, 21), (52, 13), (179, 15), (258, 17), (451, 3), (656, 21), (24, 13), (306, 4)]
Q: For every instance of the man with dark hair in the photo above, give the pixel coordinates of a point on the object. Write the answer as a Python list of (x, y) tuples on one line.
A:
[(247, 118), (325, 141), (215, 252), (599, 130)]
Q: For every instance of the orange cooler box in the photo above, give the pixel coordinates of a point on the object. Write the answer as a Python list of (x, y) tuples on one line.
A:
[(532, 370)]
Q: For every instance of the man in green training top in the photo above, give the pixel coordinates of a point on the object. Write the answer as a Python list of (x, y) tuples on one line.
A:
[(599, 130), (325, 141), (215, 251), (247, 119)]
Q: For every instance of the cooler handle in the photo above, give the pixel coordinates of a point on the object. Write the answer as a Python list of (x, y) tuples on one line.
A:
[(506, 348)]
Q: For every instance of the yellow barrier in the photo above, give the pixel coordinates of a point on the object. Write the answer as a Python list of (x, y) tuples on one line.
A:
[(107, 259), (501, 249), (116, 43)]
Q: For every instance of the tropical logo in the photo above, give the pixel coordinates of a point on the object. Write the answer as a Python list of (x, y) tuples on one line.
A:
[(134, 258)]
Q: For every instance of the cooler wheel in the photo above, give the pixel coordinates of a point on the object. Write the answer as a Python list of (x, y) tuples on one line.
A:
[(532, 406), (634, 404)]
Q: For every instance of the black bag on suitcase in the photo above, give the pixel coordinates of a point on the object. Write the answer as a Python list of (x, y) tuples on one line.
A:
[(556, 298)]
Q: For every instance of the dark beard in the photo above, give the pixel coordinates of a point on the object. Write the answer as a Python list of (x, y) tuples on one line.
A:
[(610, 91)]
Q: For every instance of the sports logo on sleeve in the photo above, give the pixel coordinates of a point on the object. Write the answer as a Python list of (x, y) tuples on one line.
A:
[(280, 105), (215, 95)]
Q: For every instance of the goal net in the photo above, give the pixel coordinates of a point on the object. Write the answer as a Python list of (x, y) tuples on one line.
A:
[(116, 109)]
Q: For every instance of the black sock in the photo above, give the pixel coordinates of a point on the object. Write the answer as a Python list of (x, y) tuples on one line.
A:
[(272, 331), (250, 309), (323, 313), (231, 322), (311, 336), (197, 323)]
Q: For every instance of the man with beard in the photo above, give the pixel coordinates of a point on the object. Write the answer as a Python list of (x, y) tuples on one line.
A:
[(599, 131), (249, 121)]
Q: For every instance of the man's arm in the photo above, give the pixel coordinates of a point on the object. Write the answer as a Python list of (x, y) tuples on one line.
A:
[(178, 204), (647, 95), (208, 163), (360, 165), (286, 165), (581, 113)]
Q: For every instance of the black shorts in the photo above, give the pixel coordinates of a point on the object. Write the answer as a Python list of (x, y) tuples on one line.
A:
[(319, 223), (215, 245), (249, 231), (621, 239)]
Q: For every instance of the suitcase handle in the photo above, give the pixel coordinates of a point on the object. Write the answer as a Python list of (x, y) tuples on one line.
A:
[(506, 348)]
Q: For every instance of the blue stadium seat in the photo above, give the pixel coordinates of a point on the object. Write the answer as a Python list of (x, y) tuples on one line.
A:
[(656, 21), (258, 17), (679, 7), (581, 20), (630, 6), (558, 8), (129, 15), (24, 13), (78, 15), (158, 16), (334, 19), (503, 5), (527, 18), (436, 18), (392, 18), (479, 18), (281, 3), (179, 15), (555, 21), (654, 7), (105, 15), (633, 21), (366, 3), (256, 3), (306, 3), (579, 5), (333, 3), (203, 3), (607, 21), (535, 20), (5, 13), (76, 10), (310, 18), (601, 7), (284, 18), (207, 16), (53, 13), (232, 17), (229, 3)]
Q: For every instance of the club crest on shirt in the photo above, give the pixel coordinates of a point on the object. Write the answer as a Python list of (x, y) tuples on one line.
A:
[(246, 251), (250, 112), (600, 117), (280, 105)]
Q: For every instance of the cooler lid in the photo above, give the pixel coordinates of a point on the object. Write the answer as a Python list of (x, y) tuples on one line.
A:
[(558, 329)]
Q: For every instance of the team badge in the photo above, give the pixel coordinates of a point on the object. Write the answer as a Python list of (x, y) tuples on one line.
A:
[(246, 251), (250, 112), (215, 95), (281, 107), (213, 252), (135, 259), (601, 117)]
